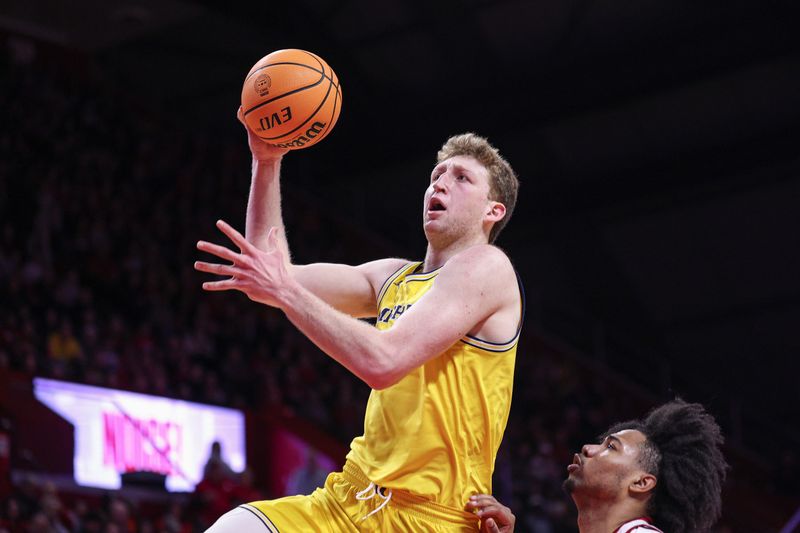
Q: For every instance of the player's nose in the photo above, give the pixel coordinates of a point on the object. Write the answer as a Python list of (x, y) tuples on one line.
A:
[(442, 183)]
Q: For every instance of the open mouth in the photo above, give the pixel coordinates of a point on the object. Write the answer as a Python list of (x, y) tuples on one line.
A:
[(436, 205)]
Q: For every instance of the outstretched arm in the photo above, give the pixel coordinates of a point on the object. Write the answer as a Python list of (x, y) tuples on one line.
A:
[(264, 203), (347, 288), (495, 517), (469, 289)]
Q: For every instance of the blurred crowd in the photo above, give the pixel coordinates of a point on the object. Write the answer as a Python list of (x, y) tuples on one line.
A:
[(101, 204), (36, 506), (98, 229)]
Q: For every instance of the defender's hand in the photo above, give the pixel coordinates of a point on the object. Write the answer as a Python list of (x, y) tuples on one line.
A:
[(495, 517)]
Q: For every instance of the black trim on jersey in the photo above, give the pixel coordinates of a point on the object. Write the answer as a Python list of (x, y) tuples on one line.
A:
[(515, 338), (486, 349), (262, 517), (388, 281), (420, 265), (412, 280)]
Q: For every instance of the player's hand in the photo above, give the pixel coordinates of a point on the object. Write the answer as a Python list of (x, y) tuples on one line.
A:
[(495, 517), (261, 275), (261, 150)]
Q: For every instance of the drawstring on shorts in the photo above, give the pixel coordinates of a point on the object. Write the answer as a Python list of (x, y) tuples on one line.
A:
[(370, 492)]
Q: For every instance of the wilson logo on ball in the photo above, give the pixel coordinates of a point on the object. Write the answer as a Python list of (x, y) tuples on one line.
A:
[(307, 138), (262, 85)]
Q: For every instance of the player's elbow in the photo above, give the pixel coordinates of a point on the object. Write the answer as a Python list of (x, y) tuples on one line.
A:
[(380, 378), (382, 372), (382, 381)]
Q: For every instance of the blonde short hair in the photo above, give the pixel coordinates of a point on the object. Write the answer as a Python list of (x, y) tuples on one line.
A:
[(503, 182)]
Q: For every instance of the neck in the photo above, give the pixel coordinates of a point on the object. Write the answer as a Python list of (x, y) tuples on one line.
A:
[(596, 516), (438, 255)]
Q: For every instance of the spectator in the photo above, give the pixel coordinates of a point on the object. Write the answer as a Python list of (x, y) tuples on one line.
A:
[(246, 491), (214, 493), (120, 516), (215, 459), (64, 350), (11, 519)]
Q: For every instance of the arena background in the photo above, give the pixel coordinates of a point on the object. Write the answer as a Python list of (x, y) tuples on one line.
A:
[(656, 231)]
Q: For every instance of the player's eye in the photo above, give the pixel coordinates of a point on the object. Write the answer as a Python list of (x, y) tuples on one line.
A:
[(462, 177)]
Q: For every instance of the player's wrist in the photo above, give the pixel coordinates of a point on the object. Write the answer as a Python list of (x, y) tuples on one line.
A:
[(291, 294), (266, 169), (267, 159)]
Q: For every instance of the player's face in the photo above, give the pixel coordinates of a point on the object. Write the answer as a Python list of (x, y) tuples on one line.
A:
[(606, 469), (457, 199)]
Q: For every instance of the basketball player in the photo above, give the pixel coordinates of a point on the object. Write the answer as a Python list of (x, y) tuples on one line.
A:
[(665, 471), (440, 360)]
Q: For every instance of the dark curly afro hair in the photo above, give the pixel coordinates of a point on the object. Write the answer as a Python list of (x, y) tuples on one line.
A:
[(683, 450)]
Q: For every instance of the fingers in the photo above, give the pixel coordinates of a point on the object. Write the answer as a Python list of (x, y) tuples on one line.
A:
[(224, 285), (490, 510), (237, 238), (240, 116), (219, 270), (219, 251), (481, 500), (492, 513)]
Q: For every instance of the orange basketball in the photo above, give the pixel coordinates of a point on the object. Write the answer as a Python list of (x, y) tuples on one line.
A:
[(291, 98)]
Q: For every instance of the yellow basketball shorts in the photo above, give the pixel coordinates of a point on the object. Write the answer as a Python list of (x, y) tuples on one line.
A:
[(347, 503)]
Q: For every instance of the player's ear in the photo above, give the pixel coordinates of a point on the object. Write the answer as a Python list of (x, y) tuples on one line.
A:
[(643, 483), (495, 211)]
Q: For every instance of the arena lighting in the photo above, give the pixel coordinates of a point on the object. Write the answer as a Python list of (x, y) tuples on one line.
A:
[(118, 432)]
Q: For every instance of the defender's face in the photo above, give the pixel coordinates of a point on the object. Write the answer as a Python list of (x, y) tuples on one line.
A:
[(457, 198), (605, 469)]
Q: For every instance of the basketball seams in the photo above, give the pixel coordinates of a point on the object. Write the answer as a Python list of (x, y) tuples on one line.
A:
[(323, 64), (312, 115), (306, 87), (309, 67), (337, 97), (337, 100), (318, 60), (334, 79), (300, 60), (284, 95)]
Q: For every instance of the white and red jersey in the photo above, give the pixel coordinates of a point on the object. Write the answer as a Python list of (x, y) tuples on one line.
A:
[(640, 525)]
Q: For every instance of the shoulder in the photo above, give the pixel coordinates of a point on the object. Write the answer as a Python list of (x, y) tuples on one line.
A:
[(384, 267), (378, 272), (482, 270), (481, 260)]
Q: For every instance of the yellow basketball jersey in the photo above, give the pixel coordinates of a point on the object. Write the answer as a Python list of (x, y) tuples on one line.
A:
[(436, 432)]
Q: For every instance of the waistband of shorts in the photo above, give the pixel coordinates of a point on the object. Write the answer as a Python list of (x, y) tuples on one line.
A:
[(411, 503)]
